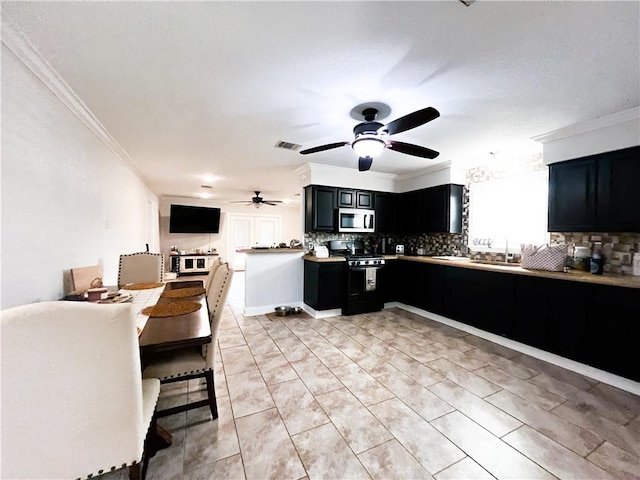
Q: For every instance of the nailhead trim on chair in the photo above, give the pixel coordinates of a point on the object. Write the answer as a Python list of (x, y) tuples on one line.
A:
[(192, 372), (141, 253), (112, 469)]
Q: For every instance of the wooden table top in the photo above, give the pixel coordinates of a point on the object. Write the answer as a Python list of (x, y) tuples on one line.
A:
[(166, 333)]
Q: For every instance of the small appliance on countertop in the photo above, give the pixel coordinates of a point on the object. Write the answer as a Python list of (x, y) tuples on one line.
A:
[(321, 251)]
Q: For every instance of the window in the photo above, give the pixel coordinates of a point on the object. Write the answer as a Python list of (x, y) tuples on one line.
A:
[(512, 209)]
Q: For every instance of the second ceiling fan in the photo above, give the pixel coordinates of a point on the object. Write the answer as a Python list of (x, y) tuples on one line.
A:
[(371, 137), (257, 201)]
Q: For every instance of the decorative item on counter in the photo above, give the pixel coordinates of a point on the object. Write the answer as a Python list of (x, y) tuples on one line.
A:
[(636, 264), (596, 259), (544, 257), (582, 258)]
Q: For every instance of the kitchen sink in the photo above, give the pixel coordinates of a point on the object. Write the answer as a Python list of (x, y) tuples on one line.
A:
[(496, 262)]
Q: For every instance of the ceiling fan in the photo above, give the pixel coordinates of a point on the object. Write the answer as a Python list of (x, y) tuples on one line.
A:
[(371, 137), (258, 200)]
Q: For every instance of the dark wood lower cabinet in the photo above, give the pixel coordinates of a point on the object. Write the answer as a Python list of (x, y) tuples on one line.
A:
[(388, 280), (324, 285), (613, 330), (552, 315), (482, 299), (593, 324)]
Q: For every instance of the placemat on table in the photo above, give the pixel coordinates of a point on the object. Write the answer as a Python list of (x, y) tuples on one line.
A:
[(171, 309), (183, 292), (142, 286)]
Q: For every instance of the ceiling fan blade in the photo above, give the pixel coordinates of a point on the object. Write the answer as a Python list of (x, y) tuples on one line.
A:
[(322, 148), (410, 121), (364, 163), (411, 149), (242, 201), (272, 201), (269, 202)]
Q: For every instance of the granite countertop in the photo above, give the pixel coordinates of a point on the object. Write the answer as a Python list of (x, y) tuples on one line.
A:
[(571, 275), (272, 250)]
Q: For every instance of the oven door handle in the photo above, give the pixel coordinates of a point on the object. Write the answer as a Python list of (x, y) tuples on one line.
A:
[(364, 267)]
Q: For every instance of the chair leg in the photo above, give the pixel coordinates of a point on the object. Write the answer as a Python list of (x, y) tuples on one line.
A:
[(135, 471), (146, 452), (211, 390)]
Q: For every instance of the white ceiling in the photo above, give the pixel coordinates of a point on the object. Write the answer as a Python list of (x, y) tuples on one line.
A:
[(195, 88)]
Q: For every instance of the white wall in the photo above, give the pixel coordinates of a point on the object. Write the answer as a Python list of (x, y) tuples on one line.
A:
[(272, 280), (67, 199), (291, 227)]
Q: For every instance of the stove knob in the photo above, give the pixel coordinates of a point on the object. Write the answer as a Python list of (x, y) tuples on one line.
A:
[(377, 262), (367, 262), (354, 263)]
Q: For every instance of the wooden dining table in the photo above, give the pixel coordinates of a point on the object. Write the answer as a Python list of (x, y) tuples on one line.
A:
[(166, 333)]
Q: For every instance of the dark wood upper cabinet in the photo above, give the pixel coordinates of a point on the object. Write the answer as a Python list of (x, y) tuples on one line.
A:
[(443, 206), (364, 199), (320, 209), (598, 193), (432, 210), (350, 198), (386, 208), (346, 198), (572, 198), (618, 203)]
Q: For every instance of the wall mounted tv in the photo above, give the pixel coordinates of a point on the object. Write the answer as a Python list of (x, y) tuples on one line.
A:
[(188, 219)]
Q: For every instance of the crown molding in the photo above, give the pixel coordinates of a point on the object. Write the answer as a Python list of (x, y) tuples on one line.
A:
[(616, 118), (310, 167), (424, 171), (31, 58)]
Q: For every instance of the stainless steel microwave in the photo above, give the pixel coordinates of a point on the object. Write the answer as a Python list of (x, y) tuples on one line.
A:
[(356, 220)]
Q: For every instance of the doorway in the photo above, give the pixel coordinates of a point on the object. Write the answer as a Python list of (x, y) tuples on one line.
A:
[(248, 231)]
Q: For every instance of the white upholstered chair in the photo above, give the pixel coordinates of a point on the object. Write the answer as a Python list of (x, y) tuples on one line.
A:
[(195, 362), (74, 404), (212, 272), (140, 267)]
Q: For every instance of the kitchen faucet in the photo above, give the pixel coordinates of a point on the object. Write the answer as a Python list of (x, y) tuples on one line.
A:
[(506, 247)]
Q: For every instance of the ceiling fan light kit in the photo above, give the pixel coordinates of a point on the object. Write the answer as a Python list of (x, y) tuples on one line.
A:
[(369, 136), (368, 146)]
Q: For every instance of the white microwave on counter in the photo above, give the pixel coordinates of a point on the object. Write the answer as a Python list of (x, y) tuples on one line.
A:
[(356, 220)]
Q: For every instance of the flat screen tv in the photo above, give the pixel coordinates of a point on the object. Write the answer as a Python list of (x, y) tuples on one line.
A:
[(188, 219)]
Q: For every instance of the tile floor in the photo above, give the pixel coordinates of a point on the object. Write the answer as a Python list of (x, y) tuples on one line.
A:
[(391, 395)]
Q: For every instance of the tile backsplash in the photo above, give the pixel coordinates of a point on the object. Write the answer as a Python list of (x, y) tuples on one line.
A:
[(617, 248), (434, 244)]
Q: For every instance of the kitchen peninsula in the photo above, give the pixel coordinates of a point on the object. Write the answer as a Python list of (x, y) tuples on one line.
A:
[(273, 278)]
